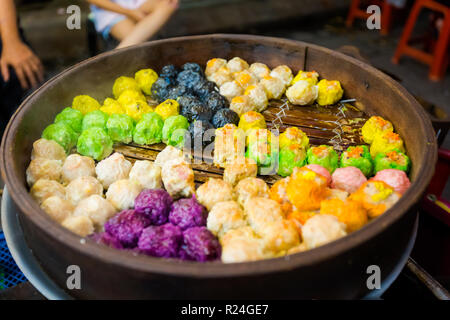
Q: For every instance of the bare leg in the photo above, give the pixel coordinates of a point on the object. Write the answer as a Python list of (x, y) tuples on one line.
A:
[(147, 27), (148, 6), (122, 28)]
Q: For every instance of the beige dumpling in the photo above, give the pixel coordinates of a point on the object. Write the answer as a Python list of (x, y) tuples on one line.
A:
[(221, 76), (41, 168), (284, 73), (47, 149), (44, 188), (122, 193), (147, 174), (274, 87), (280, 236), (178, 179), (167, 154), (302, 93), (230, 90), (237, 65), (113, 168), (97, 208), (239, 169), (245, 78), (214, 191), (240, 245), (321, 229), (258, 97), (225, 216), (77, 166), (241, 105), (213, 65), (80, 225), (58, 209), (260, 70), (262, 211), (83, 187), (251, 187)]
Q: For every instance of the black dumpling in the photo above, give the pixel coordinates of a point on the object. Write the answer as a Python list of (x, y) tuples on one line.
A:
[(198, 112), (216, 101), (186, 102), (189, 78), (223, 117), (204, 89), (169, 72), (197, 130), (160, 89), (177, 91), (191, 66)]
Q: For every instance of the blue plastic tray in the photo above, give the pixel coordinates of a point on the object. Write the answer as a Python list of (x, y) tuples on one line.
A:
[(10, 274)]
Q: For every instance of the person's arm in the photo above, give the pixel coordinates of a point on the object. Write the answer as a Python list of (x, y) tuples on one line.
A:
[(145, 29), (136, 15), (15, 53)]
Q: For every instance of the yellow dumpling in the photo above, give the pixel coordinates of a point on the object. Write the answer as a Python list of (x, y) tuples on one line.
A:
[(167, 108), (330, 92), (375, 126), (85, 104), (134, 104), (145, 78), (311, 76), (252, 120), (124, 83), (111, 106)]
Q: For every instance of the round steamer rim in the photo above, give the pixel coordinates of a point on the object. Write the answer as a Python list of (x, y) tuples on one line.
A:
[(214, 269)]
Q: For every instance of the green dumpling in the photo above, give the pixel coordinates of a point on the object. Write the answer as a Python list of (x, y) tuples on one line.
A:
[(120, 127), (72, 117), (392, 160), (261, 152), (325, 156), (359, 157), (62, 133), (290, 157), (95, 119), (149, 129), (174, 131), (95, 143)]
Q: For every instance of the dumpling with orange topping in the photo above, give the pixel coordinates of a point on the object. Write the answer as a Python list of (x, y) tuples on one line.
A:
[(230, 90), (386, 142), (311, 76), (293, 135), (258, 97), (376, 197), (325, 156), (375, 126), (213, 65), (260, 70), (252, 120), (278, 193), (237, 65), (284, 73), (349, 212), (330, 92), (245, 78), (241, 105), (302, 93), (274, 87), (221, 76), (229, 145)]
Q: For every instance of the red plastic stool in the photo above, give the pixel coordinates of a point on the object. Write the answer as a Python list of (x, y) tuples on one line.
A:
[(357, 13), (438, 58)]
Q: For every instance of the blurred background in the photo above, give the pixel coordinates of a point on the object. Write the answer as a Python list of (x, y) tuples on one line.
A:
[(335, 24)]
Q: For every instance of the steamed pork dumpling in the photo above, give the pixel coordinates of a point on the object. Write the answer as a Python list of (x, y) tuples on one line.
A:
[(120, 128), (81, 188), (237, 65), (245, 78), (225, 216), (41, 168), (44, 188), (260, 70), (167, 154), (97, 208), (251, 187), (80, 225), (262, 211), (258, 97), (274, 87), (230, 90), (241, 105), (284, 73), (213, 65), (95, 119), (149, 129), (61, 133), (321, 229), (240, 245), (174, 130), (147, 174), (113, 168), (122, 193), (57, 208), (302, 93), (71, 117), (178, 178), (47, 149), (214, 191), (95, 143), (221, 76), (77, 166)]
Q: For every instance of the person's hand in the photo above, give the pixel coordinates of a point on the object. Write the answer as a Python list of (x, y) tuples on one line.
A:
[(136, 15), (26, 64), (170, 5)]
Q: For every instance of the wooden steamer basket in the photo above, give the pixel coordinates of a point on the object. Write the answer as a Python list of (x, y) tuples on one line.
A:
[(335, 270)]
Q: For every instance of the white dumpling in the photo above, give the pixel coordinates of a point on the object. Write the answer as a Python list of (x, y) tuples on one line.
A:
[(230, 90), (83, 187), (41, 168), (122, 193), (44, 188), (77, 166), (147, 174), (113, 168), (80, 225), (213, 65), (167, 154), (178, 178), (214, 191), (237, 65), (58, 209), (321, 229), (97, 208), (260, 70), (47, 149), (284, 73), (225, 216)]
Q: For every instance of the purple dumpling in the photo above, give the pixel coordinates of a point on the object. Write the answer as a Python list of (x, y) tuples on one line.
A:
[(126, 227), (106, 239), (188, 213), (161, 241), (199, 244), (154, 204)]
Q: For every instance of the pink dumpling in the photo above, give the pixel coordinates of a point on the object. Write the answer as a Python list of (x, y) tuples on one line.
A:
[(397, 179), (348, 179), (320, 170)]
